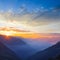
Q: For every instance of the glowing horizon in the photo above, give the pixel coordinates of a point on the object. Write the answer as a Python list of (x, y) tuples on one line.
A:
[(9, 31), (29, 20)]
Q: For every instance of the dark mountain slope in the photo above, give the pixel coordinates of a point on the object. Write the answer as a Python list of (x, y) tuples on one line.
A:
[(6, 53), (12, 40), (55, 58), (18, 45), (47, 53)]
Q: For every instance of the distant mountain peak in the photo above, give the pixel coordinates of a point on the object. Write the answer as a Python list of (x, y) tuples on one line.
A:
[(58, 43), (12, 40)]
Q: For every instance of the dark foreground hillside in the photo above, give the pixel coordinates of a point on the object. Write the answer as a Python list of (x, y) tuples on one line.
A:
[(6, 53), (51, 53)]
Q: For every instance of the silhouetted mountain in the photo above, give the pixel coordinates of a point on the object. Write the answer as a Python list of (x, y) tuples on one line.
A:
[(6, 53), (12, 40), (55, 58), (48, 53), (18, 45)]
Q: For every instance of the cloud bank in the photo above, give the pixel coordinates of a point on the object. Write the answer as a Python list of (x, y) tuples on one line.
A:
[(40, 20)]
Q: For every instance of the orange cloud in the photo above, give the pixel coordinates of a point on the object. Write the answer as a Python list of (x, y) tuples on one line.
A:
[(9, 31)]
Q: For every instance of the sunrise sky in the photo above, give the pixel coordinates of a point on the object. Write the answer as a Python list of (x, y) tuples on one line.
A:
[(33, 16)]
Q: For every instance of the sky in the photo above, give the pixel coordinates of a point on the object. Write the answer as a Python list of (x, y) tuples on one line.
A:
[(29, 3), (38, 16), (38, 21)]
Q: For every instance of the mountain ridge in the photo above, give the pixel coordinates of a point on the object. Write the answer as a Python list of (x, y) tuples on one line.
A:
[(6, 53), (47, 53)]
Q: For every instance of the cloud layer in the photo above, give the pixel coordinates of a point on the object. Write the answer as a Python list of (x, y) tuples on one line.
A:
[(39, 21)]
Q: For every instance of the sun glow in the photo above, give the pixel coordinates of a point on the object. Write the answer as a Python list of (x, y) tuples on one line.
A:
[(9, 31)]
